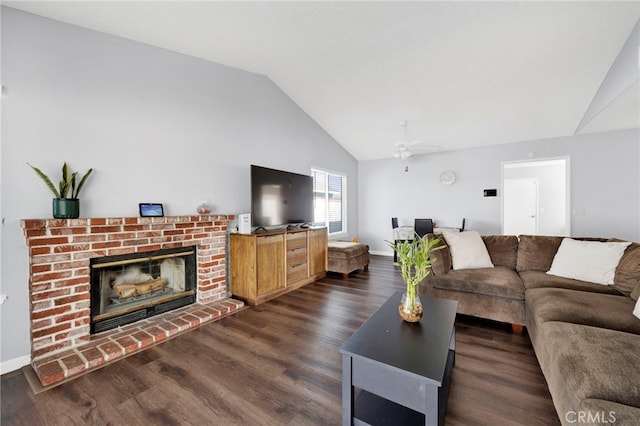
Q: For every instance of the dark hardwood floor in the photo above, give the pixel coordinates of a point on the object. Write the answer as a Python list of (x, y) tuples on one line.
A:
[(278, 364)]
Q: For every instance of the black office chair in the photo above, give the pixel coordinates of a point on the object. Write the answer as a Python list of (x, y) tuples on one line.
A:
[(423, 227)]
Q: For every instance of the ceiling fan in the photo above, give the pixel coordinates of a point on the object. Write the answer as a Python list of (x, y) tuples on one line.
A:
[(406, 148)]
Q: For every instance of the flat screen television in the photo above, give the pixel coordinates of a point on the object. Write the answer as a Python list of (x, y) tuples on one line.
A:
[(280, 198)]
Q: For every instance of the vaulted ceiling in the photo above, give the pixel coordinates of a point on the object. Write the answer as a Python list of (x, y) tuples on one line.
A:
[(462, 74)]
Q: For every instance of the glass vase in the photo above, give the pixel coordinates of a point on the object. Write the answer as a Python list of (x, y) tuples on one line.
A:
[(410, 308), (204, 208)]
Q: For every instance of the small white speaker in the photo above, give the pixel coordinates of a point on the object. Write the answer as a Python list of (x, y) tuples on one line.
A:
[(244, 223)]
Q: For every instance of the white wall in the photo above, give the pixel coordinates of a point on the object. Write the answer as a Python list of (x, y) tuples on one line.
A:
[(605, 185), (156, 126)]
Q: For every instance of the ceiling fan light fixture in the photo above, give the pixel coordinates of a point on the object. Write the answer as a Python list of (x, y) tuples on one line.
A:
[(402, 153), (405, 147)]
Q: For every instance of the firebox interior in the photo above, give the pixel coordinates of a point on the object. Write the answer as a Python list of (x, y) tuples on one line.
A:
[(127, 288)]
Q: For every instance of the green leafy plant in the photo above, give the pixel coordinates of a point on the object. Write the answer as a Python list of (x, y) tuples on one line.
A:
[(67, 185), (414, 260)]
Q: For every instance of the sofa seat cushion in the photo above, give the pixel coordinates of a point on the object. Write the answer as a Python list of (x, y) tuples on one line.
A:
[(540, 279), (603, 412), (498, 281), (346, 250), (581, 307), (582, 363), (496, 308)]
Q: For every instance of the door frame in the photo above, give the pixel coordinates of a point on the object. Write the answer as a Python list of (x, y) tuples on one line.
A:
[(532, 162)]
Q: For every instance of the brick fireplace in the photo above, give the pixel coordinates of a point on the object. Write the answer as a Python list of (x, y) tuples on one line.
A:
[(60, 251)]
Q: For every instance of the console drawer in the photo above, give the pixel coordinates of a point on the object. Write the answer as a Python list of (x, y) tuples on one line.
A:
[(296, 257), (296, 240), (296, 272)]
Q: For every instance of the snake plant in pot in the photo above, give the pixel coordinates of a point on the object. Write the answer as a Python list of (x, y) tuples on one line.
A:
[(66, 204), (414, 260)]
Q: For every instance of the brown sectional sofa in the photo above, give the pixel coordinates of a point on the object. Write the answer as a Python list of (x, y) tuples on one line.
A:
[(585, 335)]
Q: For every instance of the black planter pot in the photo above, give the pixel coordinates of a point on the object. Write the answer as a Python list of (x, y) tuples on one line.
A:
[(66, 208)]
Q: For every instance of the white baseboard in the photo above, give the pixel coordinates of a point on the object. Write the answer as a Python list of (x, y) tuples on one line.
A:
[(381, 253), (14, 364)]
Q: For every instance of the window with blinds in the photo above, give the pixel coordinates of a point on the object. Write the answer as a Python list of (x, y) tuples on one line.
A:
[(329, 200)]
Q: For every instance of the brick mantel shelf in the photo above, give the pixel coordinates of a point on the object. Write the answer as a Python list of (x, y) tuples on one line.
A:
[(59, 286)]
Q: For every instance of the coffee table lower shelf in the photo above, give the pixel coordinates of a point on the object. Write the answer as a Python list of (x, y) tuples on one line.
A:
[(371, 409)]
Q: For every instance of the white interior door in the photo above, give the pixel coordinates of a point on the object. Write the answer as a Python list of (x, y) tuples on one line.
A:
[(520, 206)]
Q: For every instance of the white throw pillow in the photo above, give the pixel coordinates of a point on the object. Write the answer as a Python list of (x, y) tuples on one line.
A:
[(467, 250), (591, 261), (636, 310)]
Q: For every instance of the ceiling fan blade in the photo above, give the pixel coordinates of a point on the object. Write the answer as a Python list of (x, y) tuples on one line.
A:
[(406, 147), (426, 147)]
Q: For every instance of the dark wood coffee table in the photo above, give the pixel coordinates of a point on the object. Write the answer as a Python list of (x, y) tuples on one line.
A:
[(394, 372)]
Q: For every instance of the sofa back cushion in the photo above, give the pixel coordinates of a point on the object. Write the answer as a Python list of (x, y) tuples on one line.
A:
[(628, 271), (591, 261), (468, 250), (503, 249), (536, 252), (443, 263), (635, 294)]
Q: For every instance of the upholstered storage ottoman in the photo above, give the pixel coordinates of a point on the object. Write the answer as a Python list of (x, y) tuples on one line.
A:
[(345, 257)]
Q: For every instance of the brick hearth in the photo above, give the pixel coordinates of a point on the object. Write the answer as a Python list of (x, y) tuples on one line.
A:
[(110, 346), (59, 286)]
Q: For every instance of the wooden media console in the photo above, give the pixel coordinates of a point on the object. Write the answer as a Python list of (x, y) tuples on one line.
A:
[(266, 265)]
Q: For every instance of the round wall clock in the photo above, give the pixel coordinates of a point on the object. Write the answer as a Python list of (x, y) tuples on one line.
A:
[(447, 178)]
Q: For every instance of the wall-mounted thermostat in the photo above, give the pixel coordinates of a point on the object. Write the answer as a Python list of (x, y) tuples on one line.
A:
[(490, 192)]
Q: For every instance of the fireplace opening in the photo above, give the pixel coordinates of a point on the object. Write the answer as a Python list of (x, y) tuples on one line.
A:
[(132, 287)]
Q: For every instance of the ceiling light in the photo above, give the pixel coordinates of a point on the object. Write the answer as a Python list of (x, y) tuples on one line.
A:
[(402, 153)]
